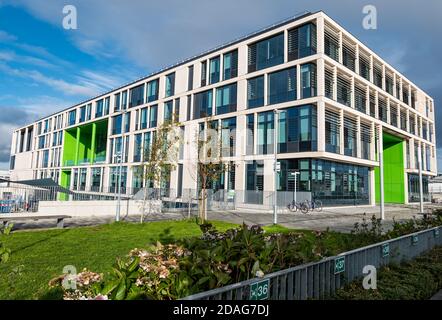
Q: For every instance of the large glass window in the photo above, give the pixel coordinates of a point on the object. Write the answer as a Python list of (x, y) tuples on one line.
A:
[(116, 124), (170, 85), (214, 70), (331, 44), (99, 109), (202, 104), (203, 73), (255, 92), (72, 117), (117, 102), (228, 137), (282, 86), (137, 147), (153, 116), (230, 65), (136, 96), (168, 110), (96, 180), (190, 78), (302, 41), (226, 99), (308, 80), (366, 137), (414, 190), (297, 129), (254, 182), (143, 122), (266, 53), (250, 147), (152, 90), (332, 131), (344, 91), (83, 114), (350, 130), (265, 132)]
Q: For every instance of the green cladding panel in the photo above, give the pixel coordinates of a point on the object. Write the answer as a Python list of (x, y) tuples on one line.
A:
[(84, 144), (394, 170)]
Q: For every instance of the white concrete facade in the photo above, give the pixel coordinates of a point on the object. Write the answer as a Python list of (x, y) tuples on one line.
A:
[(28, 157)]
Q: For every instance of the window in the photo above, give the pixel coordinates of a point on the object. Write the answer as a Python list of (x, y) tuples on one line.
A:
[(190, 78), (214, 70), (137, 147), (146, 146), (265, 132), (189, 107), (72, 117), (45, 163), (203, 73), (124, 100), (332, 132), (329, 84), (428, 158), (372, 105), (377, 73), (297, 130), (282, 86), (82, 114), (350, 130), (83, 177), (344, 91), (308, 80), (170, 85), (331, 44), (143, 124), (266, 53), (230, 65), (176, 112), (89, 112), (403, 117), (136, 96), (382, 109), (250, 143), (168, 111), (116, 124), (117, 104), (254, 182), (202, 105), (127, 122), (302, 41), (255, 92), (153, 116), (228, 137), (226, 99), (96, 180), (41, 142), (366, 141), (404, 94), (412, 125), (360, 99), (152, 90), (364, 67), (349, 56), (99, 109), (389, 83)]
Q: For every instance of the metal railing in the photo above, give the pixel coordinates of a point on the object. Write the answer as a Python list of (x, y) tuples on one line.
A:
[(320, 280)]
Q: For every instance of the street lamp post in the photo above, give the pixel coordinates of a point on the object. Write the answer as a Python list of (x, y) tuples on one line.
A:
[(120, 166), (276, 169), (296, 176), (421, 192)]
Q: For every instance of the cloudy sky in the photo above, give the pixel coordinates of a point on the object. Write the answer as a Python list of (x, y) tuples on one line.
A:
[(44, 68)]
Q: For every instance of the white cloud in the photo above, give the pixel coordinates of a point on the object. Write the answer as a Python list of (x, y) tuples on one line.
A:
[(6, 37)]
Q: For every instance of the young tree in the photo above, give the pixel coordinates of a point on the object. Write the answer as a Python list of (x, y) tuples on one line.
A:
[(158, 159), (209, 165)]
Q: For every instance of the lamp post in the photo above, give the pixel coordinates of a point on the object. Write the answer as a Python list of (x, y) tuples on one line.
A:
[(296, 173), (120, 166), (276, 168), (421, 192)]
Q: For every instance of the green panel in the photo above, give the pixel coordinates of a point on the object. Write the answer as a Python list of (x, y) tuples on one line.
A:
[(394, 171), (65, 182), (69, 147)]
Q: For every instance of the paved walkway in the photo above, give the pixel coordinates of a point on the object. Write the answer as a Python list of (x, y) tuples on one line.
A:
[(437, 296), (337, 219)]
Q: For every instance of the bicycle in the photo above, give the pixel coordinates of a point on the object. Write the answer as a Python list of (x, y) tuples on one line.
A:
[(295, 206), (314, 205)]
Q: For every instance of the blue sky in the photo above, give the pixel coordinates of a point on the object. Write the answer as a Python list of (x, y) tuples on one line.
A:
[(44, 68)]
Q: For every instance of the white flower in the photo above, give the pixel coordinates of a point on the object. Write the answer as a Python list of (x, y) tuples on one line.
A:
[(259, 274)]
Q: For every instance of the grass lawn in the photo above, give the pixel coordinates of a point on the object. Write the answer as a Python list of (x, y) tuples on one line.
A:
[(43, 254)]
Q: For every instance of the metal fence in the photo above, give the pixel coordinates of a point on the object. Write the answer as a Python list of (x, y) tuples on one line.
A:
[(320, 280)]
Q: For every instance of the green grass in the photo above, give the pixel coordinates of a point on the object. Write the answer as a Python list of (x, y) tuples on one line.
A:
[(43, 254)]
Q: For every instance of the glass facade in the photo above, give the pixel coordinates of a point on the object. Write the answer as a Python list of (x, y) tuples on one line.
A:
[(136, 96), (254, 182), (266, 124), (116, 124), (152, 90), (228, 137), (170, 85), (302, 41), (153, 116), (214, 70), (413, 188), (226, 98), (282, 86), (255, 92), (168, 111), (331, 182), (297, 130), (230, 65), (266, 53), (202, 104), (308, 80)]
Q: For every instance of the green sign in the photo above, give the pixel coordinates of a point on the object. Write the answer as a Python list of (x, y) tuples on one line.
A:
[(385, 250), (340, 265), (260, 290), (414, 239), (436, 233)]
